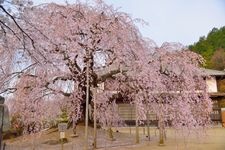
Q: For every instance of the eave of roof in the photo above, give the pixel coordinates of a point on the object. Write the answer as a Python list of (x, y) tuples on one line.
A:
[(217, 94), (211, 72)]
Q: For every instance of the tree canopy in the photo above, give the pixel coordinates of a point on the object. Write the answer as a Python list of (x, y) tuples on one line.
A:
[(68, 39)]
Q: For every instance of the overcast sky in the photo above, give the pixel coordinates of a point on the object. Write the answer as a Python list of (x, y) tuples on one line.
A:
[(181, 21)]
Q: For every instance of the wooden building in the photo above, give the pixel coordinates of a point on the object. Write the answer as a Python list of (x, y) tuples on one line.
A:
[(215, 81), (216, 89)]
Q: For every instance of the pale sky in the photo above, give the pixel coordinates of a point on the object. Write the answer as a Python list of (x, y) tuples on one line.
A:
[(181, 21)]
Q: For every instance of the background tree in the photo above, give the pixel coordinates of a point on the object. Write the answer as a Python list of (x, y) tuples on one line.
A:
[(207, 46), (218, 59)]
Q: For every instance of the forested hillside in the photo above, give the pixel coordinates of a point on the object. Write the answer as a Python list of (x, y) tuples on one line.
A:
[(212, 48)]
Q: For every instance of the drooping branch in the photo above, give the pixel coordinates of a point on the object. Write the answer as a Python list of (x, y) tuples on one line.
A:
[(8, 90), (17, 25), (5, 25), (18, 73), (62, 78)]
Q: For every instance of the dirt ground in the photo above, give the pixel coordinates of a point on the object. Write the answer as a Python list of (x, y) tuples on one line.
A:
[(213, 139)]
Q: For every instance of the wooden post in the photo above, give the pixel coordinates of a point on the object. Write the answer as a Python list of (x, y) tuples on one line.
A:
[(161, 136), (95, 122), (110, 133), (62, 133), (130, 117), (143, 130), (137, 129), (61, 144)]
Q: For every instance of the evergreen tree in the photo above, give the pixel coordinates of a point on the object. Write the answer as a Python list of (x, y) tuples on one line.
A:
[(207, 46)]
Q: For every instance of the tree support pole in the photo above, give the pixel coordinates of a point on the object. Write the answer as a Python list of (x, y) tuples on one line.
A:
[(148, 124), (87, 102), (95, 122)]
